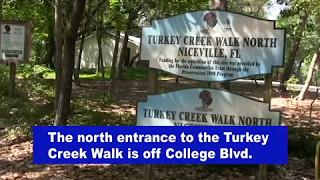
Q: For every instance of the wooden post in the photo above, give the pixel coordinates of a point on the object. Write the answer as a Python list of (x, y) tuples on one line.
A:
[(12, 79), (152, 81), (152, 89), (262, 174), (316, 162), (268, 88), (148, 172)]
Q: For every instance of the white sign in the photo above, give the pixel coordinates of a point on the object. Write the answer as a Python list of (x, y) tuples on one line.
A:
[(204, 107), (12, 42), (213, 45)]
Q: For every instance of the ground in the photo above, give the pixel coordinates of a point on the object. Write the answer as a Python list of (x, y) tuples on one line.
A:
[(16, 153)]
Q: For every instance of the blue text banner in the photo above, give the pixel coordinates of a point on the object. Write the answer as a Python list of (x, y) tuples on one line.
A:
[(160, 145)]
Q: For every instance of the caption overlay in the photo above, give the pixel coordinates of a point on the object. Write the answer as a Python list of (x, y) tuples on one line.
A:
[(160, 145)]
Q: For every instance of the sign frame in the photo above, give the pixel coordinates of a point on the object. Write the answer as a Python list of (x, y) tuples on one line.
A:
[(213, 89), (153, 21), (27, 40)]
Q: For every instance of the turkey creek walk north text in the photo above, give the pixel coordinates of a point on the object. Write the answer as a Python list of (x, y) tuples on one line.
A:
[(155, 153), (211, 42), (194, 118), (210, 47)]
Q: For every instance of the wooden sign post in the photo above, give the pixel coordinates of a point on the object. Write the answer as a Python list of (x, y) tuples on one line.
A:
[(263, 169), (152, 89), (12, 79), (15, 46)]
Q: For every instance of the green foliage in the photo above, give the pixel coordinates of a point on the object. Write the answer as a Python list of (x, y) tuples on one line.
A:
[(249, 7), (301, 21), (165, 8), (91, 74), (305, 69), (293, 80), (302, 143), (135, 74), (4, 76), (32, 103), (95, 118), (117, 15), (20, 130), (32, 70)]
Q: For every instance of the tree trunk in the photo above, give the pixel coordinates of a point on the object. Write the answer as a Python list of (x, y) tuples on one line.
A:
[(98, 66), (83, 37), (37, 52), (50, 46), (133, 59), (70, 36), (50, 43), (77, 70), (63, 106), (315, 58), (100, 56), (123, 52), (58, 50), (298, 71), (114, 69), (99, 42), (289, 65)]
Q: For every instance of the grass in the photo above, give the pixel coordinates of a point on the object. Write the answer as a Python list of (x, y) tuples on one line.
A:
[(33, 103), (91, 74), (84, 74), (128, 74), (33, 99)]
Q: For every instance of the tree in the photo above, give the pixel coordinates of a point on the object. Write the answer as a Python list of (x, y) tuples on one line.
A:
[(99, 42), (70, 36), (90, 24), (250, 7), (133, 8), (315, 60), (50, 38), (77, 69), (122, 16), (58, 49), (116, 18), (298, 19)]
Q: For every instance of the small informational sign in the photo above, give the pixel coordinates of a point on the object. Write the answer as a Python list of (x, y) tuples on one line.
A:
[(213, 45), (204, 107), (15, 42)]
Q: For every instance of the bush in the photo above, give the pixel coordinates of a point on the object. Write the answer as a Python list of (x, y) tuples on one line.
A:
[(4, 79), (292, 80)]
